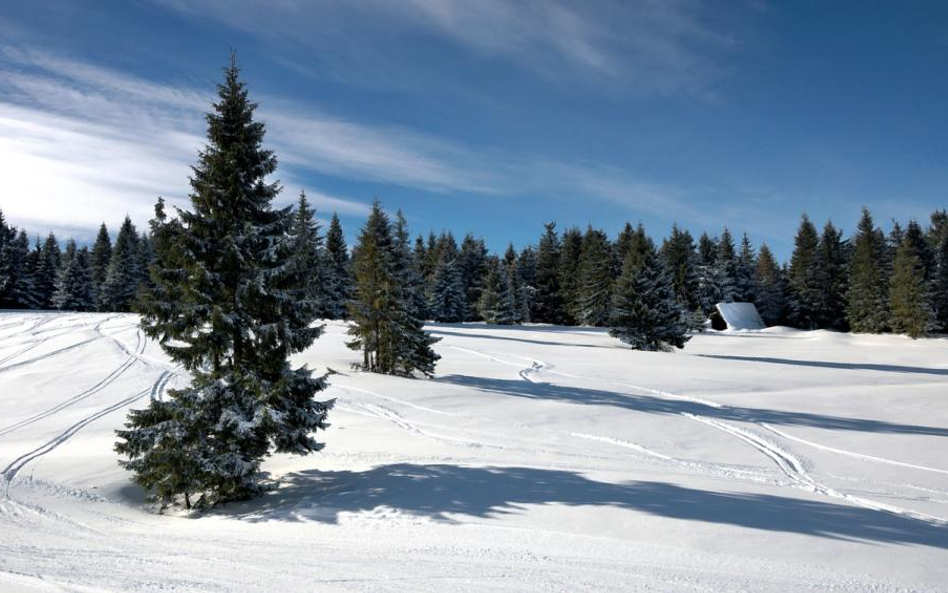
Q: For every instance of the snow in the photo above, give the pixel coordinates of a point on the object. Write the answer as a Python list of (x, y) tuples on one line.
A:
[(538, 458), (740, 315)]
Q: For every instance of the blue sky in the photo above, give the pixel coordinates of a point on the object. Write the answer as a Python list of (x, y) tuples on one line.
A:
[(489, 116)]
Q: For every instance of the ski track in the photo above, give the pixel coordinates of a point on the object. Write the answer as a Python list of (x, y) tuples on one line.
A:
[(10, 472), (788, 463), (108, 380)]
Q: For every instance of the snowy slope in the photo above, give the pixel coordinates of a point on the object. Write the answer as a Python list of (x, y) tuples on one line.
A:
[(539, 458)]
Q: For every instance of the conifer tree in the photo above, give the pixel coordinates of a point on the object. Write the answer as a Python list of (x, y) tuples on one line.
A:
[(710, 280), (527, 280), (448, 301), (472, 266), (124, 272), (498, 303), (938, 245), (645, 312), (745, 284), (803, 280), (678, 254), (595, 279), (547, 302), (74, 283), (15, 280), (621, 248), (521, 307), (224, 307), (770, 298), (392, 341), (338, 289), (570, 257), (830, 279), (409, 270), (100, 258), (45, 272), (867, 295), (725, 268), (910, 308), (307, 245)]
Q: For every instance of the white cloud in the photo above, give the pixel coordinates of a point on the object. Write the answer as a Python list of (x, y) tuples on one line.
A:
[(79, 143), (649, 46)]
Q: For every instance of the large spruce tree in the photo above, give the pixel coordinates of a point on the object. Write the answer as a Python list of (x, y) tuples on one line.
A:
[(74, 283), (910, 297), (547, 306), (122, 277), (770, 297), (595, 279), (338, 289), (803, 279), (225, 307)]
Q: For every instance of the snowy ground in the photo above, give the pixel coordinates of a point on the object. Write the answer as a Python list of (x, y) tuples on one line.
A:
[(539, 458)]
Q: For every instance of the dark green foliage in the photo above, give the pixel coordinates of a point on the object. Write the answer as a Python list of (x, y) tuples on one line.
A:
[(867, 295), (770, 298), (678, 253), (225, 307), (594, 290), (74, 283), (45, 270), (122, 278), (645, 312), (391, 339), (448, 301), (938, 246), (547, 304), (910, 302), (803, 280), (472, 266), (498, 302), (831, 279), (744, 281), (409, 271), (339, 285), (570, 256), (725, 269), (306, 245)]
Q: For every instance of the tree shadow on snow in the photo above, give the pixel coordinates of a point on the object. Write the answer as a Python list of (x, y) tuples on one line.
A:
[(849, 366), (443, 332), (657, 405), (443, 492)]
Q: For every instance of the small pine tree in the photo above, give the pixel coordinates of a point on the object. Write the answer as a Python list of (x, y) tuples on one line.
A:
[(867, 295), (645, 312)]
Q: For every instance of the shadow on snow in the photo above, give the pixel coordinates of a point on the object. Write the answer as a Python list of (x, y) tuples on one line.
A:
[(442, 491), (656, 405), (847, 366)]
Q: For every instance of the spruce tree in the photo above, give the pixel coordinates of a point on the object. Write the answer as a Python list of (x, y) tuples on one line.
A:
[(547, 306), (448, 302), (74, 283), (803, 280), (770, 298), (710, 280), (570, 257), (124, 273), (515, 281), (645, 312), (725, 268), (392, 341), (830, 278), (307, 244), (910, 306), (224, 306), (45, 272), (938, 245), (16, 284), (678, 254), (338, 290), (472, 266), (867, 295), (595, 279), (409, 270), (745, 282), (101, 256), (527, 280)]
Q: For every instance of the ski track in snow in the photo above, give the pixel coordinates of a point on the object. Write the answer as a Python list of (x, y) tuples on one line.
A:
[(787, 462)]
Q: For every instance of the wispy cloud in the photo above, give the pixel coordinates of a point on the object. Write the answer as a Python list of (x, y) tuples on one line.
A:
[(648, 46), (81, 142)]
